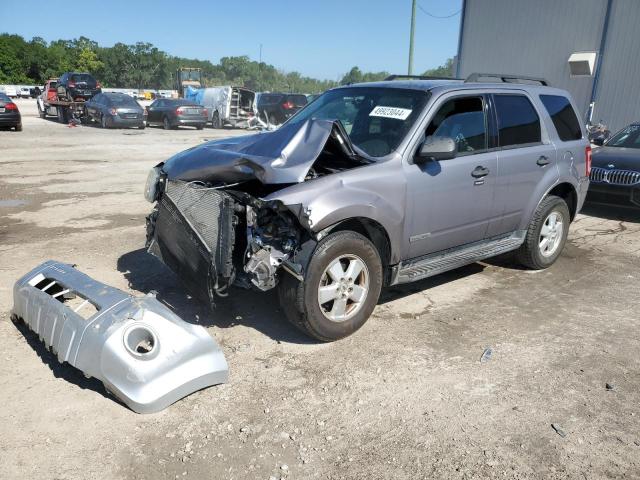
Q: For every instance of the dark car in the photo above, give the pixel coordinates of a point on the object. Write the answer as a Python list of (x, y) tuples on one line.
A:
[(115, 110), (73, 86), (615, 171), (277, 108), (176, 112), (9, 114)]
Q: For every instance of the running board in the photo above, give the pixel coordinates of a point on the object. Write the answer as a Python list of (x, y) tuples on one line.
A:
[(439, 262)]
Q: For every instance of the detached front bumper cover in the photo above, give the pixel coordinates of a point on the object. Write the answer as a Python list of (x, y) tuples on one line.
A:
[(142, 352)]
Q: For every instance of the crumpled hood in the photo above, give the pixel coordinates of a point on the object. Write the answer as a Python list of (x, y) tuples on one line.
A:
[(282, 156), (621, 158)]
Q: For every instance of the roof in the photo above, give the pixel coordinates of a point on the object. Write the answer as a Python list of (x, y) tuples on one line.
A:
[(429, 85)]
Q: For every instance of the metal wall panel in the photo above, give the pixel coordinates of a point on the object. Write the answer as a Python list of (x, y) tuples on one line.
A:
[(618, 95), (532, 37)]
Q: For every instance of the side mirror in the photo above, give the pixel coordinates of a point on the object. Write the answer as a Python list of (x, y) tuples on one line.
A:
[(436, 148), (598, 141)]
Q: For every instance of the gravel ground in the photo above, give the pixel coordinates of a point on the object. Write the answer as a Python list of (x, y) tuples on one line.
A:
[(406, 397)]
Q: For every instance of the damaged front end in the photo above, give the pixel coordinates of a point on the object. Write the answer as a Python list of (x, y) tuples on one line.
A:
[(211, 224), (141, 351)]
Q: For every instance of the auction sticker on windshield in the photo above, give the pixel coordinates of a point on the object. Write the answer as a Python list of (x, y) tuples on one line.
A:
[(390, 112)]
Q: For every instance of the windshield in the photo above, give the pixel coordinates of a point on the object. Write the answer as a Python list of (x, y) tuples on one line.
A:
[(376, 119), (628, 137), (84, 78)]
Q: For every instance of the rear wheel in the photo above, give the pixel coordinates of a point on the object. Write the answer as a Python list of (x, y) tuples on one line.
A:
[(546, 235), (42, 113), (340, 290), (199, 127), (166, 124), (19, 127), (103, 122)]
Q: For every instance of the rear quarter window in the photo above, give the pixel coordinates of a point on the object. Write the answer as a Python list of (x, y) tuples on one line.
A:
[(563, 116), (518, 121)]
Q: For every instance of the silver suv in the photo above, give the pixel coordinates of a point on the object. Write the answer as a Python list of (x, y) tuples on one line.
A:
[(372, 185)]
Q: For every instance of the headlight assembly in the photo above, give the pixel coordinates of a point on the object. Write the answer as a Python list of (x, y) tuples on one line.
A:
[(151, 187)]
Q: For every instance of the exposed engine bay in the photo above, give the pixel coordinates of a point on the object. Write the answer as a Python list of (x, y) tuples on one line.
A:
[(217, 231)]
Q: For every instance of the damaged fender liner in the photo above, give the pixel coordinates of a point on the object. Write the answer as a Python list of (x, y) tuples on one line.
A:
[(141, 351)]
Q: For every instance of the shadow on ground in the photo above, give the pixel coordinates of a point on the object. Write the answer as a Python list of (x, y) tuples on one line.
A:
[(622, 213), (60, 370), (258, 310)]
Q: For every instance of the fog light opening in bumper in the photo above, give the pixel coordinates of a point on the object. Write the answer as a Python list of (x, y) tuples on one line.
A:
[(141, 342)]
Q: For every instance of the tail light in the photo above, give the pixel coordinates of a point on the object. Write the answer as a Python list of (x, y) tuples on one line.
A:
[(72, 84), (587, 157), (288, 105), (113, 111), (11, 106), (205, 112), (51, 90), (179, 111), (98, 85)]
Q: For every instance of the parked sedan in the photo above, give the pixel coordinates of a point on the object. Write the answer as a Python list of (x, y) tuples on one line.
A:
[(178, 112), (277, 108), (615, 171), (115, 110), (9, 114)]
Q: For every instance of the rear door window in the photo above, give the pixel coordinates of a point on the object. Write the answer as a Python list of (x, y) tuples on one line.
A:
[(518, 121), (563, 116)]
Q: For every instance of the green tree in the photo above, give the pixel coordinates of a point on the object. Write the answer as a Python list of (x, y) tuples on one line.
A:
[(87, 61), (444, 70)]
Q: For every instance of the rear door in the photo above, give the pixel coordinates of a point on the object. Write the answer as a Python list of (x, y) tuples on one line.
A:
[(527, 160)]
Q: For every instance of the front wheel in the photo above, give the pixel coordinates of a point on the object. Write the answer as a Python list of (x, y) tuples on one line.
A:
[(340, 290), (546, 235)]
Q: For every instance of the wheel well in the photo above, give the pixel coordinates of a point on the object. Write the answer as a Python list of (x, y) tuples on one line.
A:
[(568, 194), (371, 230)]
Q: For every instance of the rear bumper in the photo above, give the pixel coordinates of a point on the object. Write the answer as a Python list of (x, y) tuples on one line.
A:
[(190, 122), (10, 120), (143, 353), (127, 122)]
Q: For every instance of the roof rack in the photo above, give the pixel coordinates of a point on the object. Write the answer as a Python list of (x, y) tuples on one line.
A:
[(417, 77), (502, 78)]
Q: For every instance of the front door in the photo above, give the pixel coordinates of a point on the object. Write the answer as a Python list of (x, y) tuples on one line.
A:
[(450, 202)]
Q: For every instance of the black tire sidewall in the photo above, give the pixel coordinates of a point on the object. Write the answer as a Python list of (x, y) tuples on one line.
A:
[(551, 204), (333, 246)]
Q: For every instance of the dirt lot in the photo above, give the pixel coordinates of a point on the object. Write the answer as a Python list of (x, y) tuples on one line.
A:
[(406, 397)]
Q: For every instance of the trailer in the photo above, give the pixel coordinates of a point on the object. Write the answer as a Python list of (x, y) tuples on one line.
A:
[(65, 111), (227, 105)]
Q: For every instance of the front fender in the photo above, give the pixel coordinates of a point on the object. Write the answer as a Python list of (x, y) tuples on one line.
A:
[(362, 192)]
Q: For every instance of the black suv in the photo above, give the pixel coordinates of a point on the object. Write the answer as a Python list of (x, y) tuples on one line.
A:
[(77, 86), (276, 108)]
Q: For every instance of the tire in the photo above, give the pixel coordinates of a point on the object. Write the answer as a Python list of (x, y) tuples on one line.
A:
[(142, 127), (215, 120), (553, 216), (300, 300), (19, 127), (41, 113), (199, 127), (166, 124), (103, 122), (273, 120)]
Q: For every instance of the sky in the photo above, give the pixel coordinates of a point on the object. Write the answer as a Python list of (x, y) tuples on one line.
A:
[(321, 39)]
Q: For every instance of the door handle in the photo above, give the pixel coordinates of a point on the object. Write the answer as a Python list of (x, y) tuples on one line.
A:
[(542, 161), (480, 172)]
